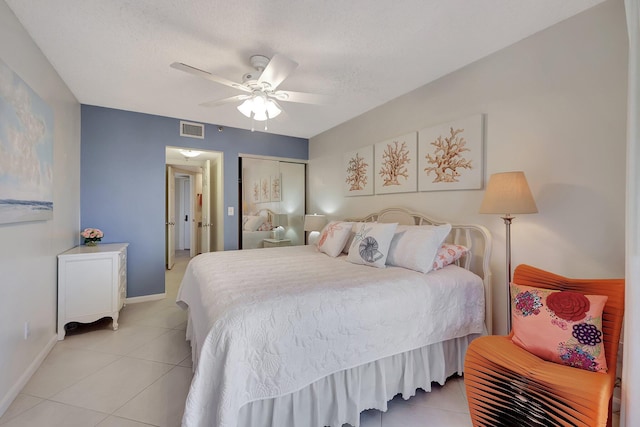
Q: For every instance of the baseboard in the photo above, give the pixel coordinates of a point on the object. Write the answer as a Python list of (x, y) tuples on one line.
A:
[(26, 375), (146, 298)]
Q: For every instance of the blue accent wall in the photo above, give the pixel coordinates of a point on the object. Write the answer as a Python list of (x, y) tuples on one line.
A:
[(122, 181)]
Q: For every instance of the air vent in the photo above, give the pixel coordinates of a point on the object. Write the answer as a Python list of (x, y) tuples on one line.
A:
[(192, 130)]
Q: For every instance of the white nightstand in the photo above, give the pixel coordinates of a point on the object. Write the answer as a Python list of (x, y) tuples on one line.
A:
[(274, 243), (92, 284)]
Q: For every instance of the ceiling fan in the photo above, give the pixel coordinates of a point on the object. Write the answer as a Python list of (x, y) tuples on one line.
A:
[(261, 97)]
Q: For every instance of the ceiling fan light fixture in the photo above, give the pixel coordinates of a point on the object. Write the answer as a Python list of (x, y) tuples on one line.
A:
[(259, 107), (246, 107), (272, 109), (260, 116)]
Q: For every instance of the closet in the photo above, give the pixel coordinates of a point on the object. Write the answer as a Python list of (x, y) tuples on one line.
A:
[(272, 194)]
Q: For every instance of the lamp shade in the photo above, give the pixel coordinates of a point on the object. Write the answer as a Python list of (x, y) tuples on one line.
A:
[(508, 193), (314, 222), (246, 107), (281, 220)]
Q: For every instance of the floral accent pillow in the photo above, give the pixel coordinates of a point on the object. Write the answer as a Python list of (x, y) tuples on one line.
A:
[(267, 226), (333, 237), (370, 245), (448, 254), (415, 247), (564, 327)]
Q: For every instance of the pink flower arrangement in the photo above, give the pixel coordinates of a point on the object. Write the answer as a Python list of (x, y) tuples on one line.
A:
[(91, 236)]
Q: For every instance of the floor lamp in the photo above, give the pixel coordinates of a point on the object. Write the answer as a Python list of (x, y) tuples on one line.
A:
[(508, 193)]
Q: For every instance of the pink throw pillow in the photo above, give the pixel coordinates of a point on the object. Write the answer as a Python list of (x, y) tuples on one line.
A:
[(448, 254), (564, 327)]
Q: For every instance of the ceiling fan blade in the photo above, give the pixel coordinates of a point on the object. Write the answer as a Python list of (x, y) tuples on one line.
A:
[(223, 101), (277, 70), (301, 97), (207, 75)]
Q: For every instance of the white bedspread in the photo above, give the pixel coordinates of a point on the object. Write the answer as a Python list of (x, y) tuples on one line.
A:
[(266, 326)]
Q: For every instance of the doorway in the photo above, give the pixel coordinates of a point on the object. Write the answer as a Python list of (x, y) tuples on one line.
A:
[(185, 204), (194, 202)]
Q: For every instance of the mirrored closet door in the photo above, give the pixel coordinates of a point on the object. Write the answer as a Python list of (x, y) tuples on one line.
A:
[(273, 203)]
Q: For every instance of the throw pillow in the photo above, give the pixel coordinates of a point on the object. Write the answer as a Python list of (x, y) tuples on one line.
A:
[(352, 234), (333, 237), (370, 245), (253, 222), (559, 326), (448, 254), (266, 226), (415, 247)]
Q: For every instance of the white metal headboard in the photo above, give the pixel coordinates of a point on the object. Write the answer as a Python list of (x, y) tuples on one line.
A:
[(475, 237), (267, 213)]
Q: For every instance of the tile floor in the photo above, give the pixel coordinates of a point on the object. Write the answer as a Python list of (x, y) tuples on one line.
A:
[(140, 375)]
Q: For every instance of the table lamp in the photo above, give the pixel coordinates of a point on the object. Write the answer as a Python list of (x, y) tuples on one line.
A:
[(314, 223)]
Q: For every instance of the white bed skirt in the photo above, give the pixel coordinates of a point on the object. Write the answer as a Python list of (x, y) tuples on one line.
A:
[(339, 398)]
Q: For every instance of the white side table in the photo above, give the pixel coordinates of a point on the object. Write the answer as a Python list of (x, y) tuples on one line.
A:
[(92, 284), (274, 243)]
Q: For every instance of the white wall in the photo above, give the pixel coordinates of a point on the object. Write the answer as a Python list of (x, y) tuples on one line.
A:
[(555, 106), (28, 269)]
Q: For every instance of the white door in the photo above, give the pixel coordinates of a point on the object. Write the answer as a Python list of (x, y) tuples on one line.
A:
[(205, 237), (193, 225), (183, 213), (171, 218)]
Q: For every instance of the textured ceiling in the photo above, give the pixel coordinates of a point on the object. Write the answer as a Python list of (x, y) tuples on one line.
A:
[(359, 53)]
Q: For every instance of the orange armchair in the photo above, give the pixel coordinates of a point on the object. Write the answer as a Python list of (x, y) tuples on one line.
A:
[(508, 386)]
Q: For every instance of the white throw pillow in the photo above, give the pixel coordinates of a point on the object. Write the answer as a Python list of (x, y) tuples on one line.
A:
[(370, 244), (253, 222), (352, 234), (415, 247), (333, 237)]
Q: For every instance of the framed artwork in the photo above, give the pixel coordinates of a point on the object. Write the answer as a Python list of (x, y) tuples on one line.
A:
[(265, 190), (255, 191), (450, 155), (395, 165), (358, 168), (276, 188), (26, 152)]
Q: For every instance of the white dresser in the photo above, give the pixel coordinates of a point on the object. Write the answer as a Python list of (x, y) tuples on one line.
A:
[(92, 284)]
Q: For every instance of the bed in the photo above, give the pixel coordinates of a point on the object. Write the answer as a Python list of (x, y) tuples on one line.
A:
[(298, 338), (257, 227)]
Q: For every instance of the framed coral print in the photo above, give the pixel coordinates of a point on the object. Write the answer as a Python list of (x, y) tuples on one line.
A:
[(265, 190), (276, 188), (450, 155), (26, 152), (395, 165), (255, 191), (358, 168)]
